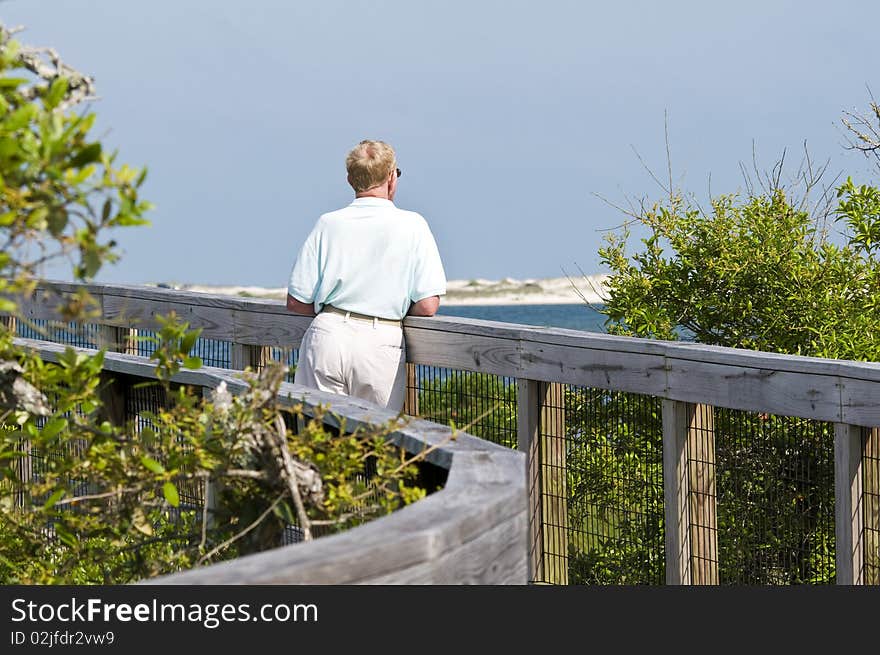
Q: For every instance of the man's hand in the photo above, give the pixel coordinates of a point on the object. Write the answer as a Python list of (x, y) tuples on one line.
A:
[(297, 307), (425, 307)]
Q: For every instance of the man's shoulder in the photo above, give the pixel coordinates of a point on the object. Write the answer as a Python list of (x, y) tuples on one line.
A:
[(410, 215)]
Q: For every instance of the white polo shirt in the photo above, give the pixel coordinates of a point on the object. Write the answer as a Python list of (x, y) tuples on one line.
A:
[(371, 258)]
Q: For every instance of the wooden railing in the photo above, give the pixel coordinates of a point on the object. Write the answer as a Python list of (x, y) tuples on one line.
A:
[(689, 378), (472, 531)]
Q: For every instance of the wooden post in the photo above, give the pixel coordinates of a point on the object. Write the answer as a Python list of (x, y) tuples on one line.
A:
[(689, 493), (411, 402), (112, 392), (528, 441), (114, 339), (702, 496), (212, 493), (243, 356), (129, 341), (675, 492), (10, 323), (554, 488), (871, 502), (848, 510)]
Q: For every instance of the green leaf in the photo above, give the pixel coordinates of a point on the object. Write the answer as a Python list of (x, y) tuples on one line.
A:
[(54, 498), (57, 221), (127, 220), (91, 153), (189, 340), (56, 92), (37, 218), (285, 513), (64, 535), (152, 464), (170, 493), (19, 118), (12, 82), (52, 428), (91, 264), (192, 362)]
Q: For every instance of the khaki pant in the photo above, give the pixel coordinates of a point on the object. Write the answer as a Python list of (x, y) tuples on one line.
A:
[(355, 357)]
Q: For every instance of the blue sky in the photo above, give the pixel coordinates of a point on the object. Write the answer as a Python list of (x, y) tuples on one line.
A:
[(509, 118)]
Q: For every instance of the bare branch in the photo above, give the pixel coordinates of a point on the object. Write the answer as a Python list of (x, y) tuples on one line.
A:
[(239, 535), (668, 153), (291, 477), (47, 65), (864, 129)]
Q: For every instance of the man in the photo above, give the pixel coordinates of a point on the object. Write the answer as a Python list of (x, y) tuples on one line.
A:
[(361, 270)]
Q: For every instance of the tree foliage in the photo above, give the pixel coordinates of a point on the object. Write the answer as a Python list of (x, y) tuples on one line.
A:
[(760, 271), (756, 272), (482, 404)]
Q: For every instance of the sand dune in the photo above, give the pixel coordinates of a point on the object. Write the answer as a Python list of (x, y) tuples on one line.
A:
[(507, 291)]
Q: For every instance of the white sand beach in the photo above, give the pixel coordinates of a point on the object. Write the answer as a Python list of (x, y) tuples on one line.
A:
[(507, 291)]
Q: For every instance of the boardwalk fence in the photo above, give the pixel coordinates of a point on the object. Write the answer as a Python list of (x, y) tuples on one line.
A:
[(647, 461)]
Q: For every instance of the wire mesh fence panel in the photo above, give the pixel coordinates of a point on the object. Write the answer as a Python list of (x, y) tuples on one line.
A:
[(602, 456), (481, 404), (81, 335), (213, 352), (287, 356), (871, 504), (701, 472), (141, 342), (144, 400), (774, 479)]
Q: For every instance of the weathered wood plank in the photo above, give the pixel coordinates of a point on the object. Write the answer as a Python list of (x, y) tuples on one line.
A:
[(676, 420), (112, 391), (448, 333), (848, 508), (215, 322), (9, 323), (500, 546), (261, 329), (42, 307), (871, 503), (554, 483), (859, 402), (703, 529), (243, 356), (603, 369), (411, 401), (528, 440), (465, 352), (753, 389)]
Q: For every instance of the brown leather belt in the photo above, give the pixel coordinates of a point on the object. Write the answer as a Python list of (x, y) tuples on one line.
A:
[(361, 317)]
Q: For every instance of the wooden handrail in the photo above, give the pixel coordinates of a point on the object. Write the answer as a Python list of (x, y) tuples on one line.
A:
[(808, 387), (471, 531)]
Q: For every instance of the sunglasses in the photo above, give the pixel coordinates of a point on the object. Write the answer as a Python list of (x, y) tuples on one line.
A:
[(399, 172)]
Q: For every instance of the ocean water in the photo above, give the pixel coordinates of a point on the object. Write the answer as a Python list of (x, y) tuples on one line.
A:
[(574, 317)]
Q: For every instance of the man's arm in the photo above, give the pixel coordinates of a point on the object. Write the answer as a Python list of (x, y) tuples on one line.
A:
[(297, 307), (424, 307)]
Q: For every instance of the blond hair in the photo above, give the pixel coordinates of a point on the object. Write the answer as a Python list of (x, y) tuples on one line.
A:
[(369, 164)]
